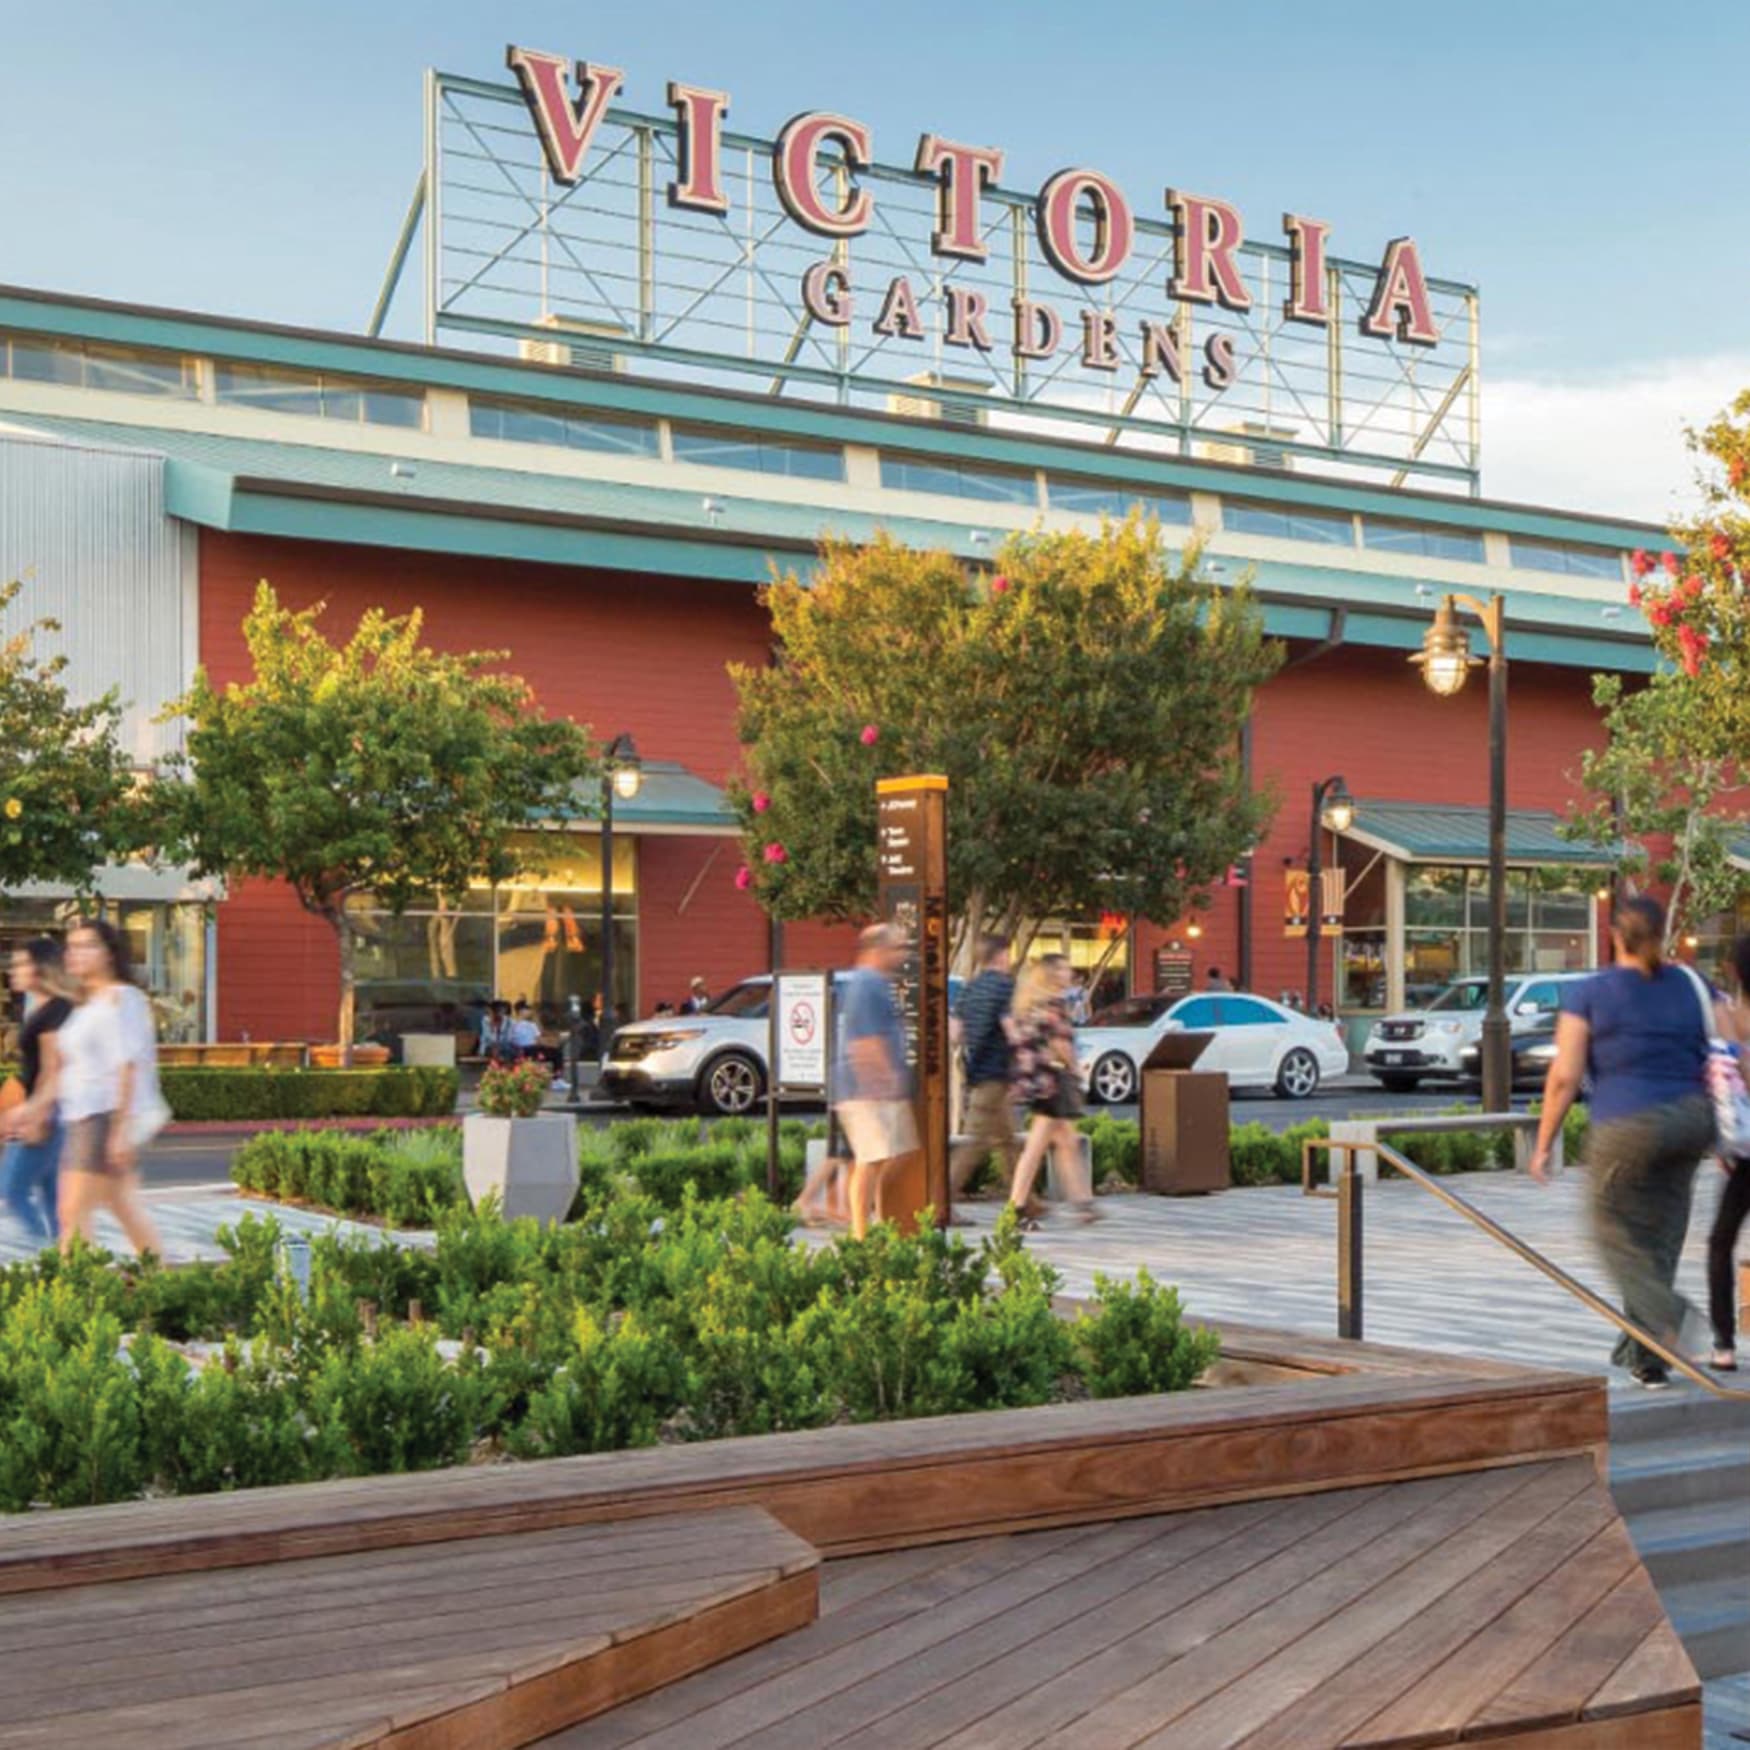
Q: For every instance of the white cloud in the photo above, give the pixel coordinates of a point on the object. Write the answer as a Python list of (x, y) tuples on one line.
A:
[(1615, 446)]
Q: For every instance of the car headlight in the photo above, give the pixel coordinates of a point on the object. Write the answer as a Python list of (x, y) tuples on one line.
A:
[(1450, 1027), (668, 1041)]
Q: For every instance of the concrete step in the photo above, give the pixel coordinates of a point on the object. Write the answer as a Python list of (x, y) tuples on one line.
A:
[(1713, 1619), (1684, 1412), (1709, 1540), (1651, 1474)]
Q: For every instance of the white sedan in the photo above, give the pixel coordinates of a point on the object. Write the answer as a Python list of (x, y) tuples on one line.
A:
[(1256, 1043)]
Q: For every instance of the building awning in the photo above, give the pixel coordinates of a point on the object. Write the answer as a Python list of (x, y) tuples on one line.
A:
[(670, 800), (1426, 832)]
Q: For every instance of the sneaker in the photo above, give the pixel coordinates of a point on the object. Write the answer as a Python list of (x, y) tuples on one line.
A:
[(1653, 1378)]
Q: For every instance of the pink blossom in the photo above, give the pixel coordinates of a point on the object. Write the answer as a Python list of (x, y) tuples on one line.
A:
[(1641, 561), (743, 879), (999, 585), (761, 802), (1634, 595), (1722, 548), (1671, 563), (870, 735), (775, 853)]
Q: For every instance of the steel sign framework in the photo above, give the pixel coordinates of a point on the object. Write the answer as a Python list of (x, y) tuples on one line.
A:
[(609, 269)]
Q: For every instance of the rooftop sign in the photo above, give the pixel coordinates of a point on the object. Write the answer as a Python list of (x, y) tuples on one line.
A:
[(804, 262)]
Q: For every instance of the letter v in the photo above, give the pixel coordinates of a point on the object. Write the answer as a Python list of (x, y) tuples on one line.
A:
[(565, 130)]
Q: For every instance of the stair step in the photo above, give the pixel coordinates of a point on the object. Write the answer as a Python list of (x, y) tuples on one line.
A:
[(1648, 1475), (1706, 1541), (1684, 1412), (1712, 1617)]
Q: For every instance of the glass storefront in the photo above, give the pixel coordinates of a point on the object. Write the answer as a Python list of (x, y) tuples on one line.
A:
[(1446, 916), (168, 941), (1099, 949), (536, 939)]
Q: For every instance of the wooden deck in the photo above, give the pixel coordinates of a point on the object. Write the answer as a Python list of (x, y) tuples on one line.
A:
[(1334, 1415), (486, 1644), (1505, 1604)]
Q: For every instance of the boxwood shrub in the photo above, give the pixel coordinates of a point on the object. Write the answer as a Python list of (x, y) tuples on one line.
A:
[(196, 1095)]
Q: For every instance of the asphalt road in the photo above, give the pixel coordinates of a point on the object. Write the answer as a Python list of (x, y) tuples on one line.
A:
[(191, 1161)]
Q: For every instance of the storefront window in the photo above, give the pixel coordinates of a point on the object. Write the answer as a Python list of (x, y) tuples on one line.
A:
[(1446, 919), (1098, 949), (536, 939)]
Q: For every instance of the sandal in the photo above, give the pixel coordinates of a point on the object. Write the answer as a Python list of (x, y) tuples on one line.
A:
[(1724, 1361)]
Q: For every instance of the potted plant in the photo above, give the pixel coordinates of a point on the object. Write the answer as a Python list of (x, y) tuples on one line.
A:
[(509, 1146)]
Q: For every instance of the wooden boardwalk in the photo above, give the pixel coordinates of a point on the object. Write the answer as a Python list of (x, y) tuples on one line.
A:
[(484, 1644), (1504, 1604)]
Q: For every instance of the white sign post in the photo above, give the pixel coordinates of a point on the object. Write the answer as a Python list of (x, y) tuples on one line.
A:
[(800, 1052)]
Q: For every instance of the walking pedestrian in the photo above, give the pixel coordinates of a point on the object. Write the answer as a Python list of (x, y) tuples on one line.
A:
[(30, 1165), (1639, 1029), (1733, 1023), (871, 1082), (698, 998), (1075, 994), (106, 1081), (1048, 1082), (980, 1022), (1215, 980)]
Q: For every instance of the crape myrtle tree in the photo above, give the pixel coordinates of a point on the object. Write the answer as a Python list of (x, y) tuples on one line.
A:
[(1669, 779), (379, 769), (1084, 698), (67, 785)]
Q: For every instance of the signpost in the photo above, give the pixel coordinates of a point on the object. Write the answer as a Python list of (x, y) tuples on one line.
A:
[(800, 1049), (912, 864)]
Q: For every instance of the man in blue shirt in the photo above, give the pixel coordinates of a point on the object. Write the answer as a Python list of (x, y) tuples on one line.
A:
[(871, 1084), (984, 1040)]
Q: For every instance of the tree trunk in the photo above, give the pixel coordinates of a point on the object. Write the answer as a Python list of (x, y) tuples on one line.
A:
[(348, 988)]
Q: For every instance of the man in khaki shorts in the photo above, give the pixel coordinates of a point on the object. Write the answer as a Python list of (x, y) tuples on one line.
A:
[(870, 1079)]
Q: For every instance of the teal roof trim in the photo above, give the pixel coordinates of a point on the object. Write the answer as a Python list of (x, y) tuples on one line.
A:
[(1422, 832), (306, 492), (670, 796), (399, 362)]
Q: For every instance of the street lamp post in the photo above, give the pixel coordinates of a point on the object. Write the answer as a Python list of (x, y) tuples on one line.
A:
[(622, 775), (1445, 661), (1333, 810)]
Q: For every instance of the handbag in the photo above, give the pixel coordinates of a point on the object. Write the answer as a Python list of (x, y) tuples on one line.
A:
[(1723, 1078)]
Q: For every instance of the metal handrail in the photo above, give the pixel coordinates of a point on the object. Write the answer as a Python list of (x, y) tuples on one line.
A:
[(1349, 1255)]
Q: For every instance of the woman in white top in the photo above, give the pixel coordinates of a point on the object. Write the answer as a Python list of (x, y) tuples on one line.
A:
[(106, 1083)]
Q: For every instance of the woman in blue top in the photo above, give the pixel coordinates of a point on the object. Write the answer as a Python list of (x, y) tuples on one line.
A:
[(1639, 1030)]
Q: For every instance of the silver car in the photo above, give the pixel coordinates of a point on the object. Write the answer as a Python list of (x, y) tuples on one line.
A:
[(1438, 1043)]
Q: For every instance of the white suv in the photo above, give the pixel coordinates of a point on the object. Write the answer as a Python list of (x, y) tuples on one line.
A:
[(1430, 1044)]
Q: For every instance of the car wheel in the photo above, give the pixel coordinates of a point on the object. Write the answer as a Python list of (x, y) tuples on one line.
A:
[(1398, 1084), (1298, 1077), (730, 1086), (1113, 1081)]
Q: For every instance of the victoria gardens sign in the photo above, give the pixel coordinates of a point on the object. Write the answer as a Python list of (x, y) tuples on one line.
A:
[(804, 264)]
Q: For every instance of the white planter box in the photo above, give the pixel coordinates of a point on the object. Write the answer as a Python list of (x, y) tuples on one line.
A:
[(530, 1162)]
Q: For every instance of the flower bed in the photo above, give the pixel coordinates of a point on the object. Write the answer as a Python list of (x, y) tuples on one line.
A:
[(640, 1321)]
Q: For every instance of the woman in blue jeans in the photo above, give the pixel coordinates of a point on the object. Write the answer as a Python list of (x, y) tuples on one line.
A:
[(30, 1165)]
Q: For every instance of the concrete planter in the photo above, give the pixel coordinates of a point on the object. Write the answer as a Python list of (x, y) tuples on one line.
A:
[(530, 1162)]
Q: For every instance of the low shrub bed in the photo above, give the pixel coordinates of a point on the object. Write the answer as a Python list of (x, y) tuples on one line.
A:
[(640, 1321), (205, 1095)]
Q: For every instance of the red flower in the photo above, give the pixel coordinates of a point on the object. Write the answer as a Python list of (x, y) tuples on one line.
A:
[(775, 853), (761, 801), (1735, 470), (999, 585), (1661, 612), (1671, 563), (1634, 592), (1720, 547), (743, 879), (870, 735), (1690, 588), (1641, 561), (1693, 645)]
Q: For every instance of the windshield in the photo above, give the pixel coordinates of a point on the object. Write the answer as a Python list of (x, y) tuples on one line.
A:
[(1471, 995), (747, 1000)]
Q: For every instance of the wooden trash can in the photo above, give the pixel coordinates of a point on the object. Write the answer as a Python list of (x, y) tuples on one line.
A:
[(1184, 1120)]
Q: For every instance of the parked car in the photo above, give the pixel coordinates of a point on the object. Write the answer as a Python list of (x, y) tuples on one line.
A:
[(715, 1061), (1534, 1050), (1256, 1043), (1430, 1044)]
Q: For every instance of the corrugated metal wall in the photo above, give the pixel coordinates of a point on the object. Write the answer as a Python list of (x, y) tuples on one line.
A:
[(85, 530)]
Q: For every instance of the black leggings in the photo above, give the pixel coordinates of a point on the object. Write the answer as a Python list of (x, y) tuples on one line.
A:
[(1721, 1243)]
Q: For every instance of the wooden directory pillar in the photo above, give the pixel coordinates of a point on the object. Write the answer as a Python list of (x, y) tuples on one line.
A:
[(912, 858)]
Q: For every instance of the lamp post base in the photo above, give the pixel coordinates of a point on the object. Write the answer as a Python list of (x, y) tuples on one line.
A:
[(1497, 1064)]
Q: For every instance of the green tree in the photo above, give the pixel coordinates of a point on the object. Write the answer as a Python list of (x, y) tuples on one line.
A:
[(1084, 699), (1655, 790), (66, 783), (379, 769)]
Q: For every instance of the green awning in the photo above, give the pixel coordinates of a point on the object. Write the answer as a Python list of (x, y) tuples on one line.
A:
[(670, 799), (1426, 832)]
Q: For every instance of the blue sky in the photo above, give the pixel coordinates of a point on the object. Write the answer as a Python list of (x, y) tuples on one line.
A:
[(1585, 161)]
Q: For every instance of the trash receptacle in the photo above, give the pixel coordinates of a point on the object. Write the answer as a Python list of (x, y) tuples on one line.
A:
[(1184, 1119)]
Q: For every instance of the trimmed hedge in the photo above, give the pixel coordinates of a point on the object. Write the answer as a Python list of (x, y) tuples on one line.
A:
[(197, 1095)]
